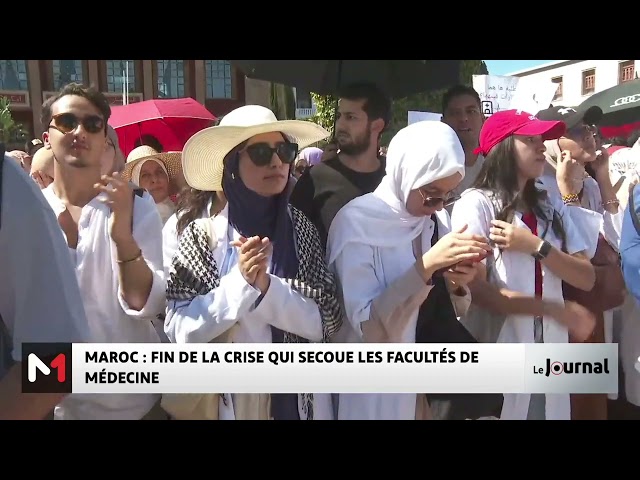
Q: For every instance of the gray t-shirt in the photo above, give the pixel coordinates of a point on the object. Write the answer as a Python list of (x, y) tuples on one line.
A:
[(39, 295)]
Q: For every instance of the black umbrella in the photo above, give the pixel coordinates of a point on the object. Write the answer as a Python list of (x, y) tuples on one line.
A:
[(620, 106), (398, 78)]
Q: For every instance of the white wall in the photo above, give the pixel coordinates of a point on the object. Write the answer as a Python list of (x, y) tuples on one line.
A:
[(606, 77)]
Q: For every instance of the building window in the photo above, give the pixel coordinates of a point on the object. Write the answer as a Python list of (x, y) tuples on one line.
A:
[(626, 71), (67, 71), (116, 71), (13, 75), (170, 78), (588, 81), (219, 80), (558, 94), (303, 99)]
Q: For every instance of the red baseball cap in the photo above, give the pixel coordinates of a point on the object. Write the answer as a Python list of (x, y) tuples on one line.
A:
[(503, 124)]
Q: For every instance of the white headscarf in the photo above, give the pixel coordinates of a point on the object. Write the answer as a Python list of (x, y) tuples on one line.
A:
[(135, 171), (418, 155), (166, 208)]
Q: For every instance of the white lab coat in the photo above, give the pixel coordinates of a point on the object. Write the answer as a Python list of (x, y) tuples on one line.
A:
[(517, 271), (232, 307)]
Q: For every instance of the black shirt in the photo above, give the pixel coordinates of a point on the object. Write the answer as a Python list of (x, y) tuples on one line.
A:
[(321, 191)]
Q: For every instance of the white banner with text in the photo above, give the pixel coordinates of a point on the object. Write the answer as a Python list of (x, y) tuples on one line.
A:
[(325, 368)]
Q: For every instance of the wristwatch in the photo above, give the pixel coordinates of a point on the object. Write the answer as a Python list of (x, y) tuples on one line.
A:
[(543, 251)]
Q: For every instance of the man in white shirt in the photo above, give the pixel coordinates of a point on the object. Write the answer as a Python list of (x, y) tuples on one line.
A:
[(116, 248), (39, 296), (462, 111)]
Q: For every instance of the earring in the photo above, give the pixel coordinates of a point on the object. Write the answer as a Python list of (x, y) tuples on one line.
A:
[(233, 176)]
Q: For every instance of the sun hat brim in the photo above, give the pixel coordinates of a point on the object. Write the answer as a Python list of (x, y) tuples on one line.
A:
[(171, 160), (204, 152)]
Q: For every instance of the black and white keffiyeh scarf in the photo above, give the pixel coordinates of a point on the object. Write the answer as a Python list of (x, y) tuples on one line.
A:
[(194, 272)]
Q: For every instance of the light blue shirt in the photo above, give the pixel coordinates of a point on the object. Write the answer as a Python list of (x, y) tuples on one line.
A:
[(630, 247)]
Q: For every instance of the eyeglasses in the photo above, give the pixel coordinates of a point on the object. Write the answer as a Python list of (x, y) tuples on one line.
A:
[(261, 153), (434, 202), (67, 122)]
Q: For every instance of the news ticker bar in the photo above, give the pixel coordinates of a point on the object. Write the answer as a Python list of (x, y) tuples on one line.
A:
[(324, 368)]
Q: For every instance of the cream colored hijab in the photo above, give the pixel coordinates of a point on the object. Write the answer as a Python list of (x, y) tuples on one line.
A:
[(135, 171), (166, 207)]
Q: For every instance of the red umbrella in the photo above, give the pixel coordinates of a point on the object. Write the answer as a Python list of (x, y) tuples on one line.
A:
[(171, 121)]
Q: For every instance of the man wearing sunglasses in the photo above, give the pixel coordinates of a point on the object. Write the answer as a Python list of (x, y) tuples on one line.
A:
[(114, 239), (363, 114)]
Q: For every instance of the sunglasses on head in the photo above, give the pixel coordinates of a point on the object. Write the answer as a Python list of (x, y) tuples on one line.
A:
[(582, 130), (434, 202), (261, 153), (68, 122)]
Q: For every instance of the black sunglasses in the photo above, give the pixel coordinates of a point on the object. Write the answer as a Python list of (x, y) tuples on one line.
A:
[(261, 153), (434, 202), (67, 122)]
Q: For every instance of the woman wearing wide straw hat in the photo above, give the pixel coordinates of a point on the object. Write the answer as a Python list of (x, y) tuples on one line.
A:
[(154, 172), (255, 273)]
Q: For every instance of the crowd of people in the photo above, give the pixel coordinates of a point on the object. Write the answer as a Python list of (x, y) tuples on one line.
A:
[(510, 226)]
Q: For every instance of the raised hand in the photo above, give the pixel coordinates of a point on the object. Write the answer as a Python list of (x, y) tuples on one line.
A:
[(119, 198), (253, 256), (509, 237)]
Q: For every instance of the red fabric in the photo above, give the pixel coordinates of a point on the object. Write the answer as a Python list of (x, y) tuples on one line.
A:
[(619, 131), (531, 221), (172, 122), (503, 124)]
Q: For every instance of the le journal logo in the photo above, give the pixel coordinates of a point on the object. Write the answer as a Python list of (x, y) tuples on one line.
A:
[(570, 368)]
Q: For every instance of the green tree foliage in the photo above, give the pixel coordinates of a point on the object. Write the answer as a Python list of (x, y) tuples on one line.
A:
[(325, 110), (426, 102), (325, 113), (10, 131)]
